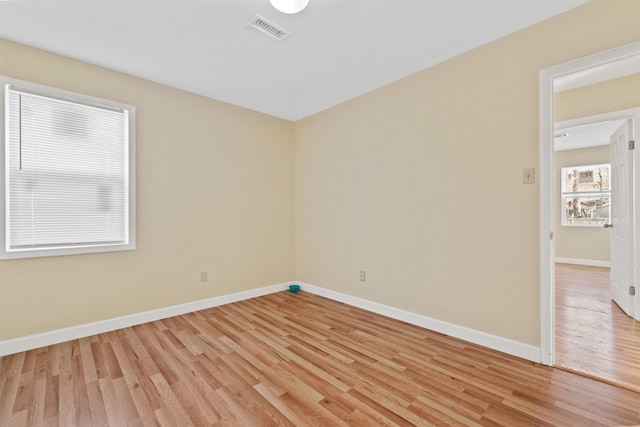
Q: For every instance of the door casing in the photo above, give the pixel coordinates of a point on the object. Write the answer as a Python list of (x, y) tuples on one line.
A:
[(547, 193)]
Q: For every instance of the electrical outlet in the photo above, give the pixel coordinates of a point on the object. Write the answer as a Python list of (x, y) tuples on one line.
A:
[(204, 276), (362, 276), (528, 176)]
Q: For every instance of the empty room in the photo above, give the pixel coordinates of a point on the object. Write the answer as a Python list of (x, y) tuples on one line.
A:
[(322, 212)]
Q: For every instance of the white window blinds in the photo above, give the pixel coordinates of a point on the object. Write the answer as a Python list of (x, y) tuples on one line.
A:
[(67, 173)]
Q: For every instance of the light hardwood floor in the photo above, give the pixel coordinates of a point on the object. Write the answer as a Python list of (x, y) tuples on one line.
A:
[(593, 335), (294, 360)]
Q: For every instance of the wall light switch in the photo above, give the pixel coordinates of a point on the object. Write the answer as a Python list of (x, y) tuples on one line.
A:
[(528, 176)]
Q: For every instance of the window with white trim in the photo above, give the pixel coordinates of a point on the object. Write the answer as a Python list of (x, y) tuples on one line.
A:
[(68, 173), (586, 195)]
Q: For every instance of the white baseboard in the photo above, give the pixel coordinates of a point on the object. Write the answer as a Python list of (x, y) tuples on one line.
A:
[(588, 262), (30, 342), (505, 345), (515, 348)]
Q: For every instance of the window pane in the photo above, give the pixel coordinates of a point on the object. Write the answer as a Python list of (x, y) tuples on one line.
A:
[(67, 173), (586, 210), (585, 179)]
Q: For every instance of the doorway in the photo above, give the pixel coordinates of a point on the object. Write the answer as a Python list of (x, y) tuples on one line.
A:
[(593, 335), (550, 78)]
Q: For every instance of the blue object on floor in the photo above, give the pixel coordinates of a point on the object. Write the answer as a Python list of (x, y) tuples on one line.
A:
[(294, 288)]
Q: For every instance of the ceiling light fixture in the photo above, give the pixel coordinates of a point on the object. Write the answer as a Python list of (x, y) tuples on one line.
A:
[(289, 6)]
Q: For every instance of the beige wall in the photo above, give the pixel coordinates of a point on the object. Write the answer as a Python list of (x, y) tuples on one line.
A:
[(604, 97), (215, 193), (618, 94), (419, 183), (584, 243)]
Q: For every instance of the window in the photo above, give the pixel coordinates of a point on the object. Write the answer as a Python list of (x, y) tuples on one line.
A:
[(68, 173), (586, 195)]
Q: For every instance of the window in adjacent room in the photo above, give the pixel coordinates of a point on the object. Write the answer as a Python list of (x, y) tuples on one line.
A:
[(67, 171), (586, 195)]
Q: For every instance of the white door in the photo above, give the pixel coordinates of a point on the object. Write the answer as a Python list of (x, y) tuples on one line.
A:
[(622, 218)]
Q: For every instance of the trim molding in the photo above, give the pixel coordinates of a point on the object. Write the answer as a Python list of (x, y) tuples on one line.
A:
[(588, 262), (56, 336), (515, 348)]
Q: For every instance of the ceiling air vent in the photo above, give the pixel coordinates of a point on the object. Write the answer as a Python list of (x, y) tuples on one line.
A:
[(269, 28)]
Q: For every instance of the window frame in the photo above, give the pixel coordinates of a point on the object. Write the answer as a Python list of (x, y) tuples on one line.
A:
[(577, 194), (47, 91)]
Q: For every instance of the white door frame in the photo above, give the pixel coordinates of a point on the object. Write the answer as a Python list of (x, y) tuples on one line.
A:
[(547, 190)]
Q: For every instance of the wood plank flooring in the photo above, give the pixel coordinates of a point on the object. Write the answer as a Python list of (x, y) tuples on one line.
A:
[(593, 335), (294, 360)]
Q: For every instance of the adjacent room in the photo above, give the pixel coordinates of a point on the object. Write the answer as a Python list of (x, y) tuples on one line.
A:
[(231, 212), (596, 332)]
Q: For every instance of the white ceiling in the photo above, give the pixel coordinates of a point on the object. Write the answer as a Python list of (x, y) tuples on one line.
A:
[(338, 49), (583, 136)]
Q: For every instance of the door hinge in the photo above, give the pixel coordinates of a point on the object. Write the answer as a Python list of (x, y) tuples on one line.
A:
[(551, 235), (632, 290), (632, 145)]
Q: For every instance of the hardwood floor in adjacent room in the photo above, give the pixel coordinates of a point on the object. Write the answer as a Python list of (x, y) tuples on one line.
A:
[(294, 360), (593, 335)]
